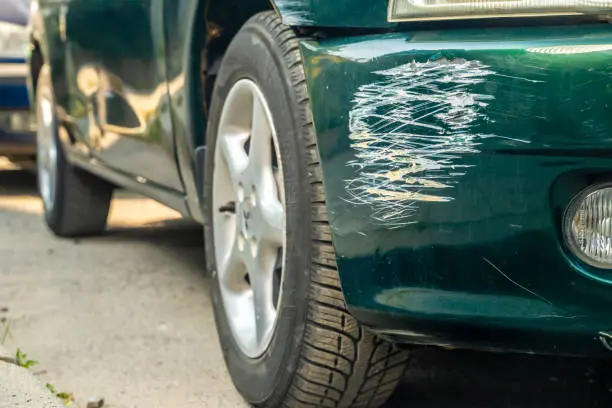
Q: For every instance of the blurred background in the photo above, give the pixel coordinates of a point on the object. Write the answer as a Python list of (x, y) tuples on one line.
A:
[(17, 128)]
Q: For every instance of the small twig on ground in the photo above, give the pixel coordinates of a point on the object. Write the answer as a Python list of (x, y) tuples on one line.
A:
[(6, 325), (6, 330), (23, 361), (66, 398)]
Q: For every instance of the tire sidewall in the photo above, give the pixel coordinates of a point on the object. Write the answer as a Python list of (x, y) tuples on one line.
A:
[(254, 55)]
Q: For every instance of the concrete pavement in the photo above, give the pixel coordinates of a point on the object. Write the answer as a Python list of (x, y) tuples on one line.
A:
[(126, 316), (19, 387)]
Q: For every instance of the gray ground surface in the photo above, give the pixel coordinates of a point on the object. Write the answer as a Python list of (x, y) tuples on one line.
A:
[(19, 389), (127, 316)]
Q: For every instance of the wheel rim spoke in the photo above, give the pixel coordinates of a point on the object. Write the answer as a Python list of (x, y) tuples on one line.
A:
[(231, 145), (47, 115), (261, 274), (260, 152), (229, 266), (260, 157), (47, 154), (273, 217)]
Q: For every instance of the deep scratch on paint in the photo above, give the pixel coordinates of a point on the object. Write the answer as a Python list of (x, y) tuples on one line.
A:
[(409, 131), (295, 12)]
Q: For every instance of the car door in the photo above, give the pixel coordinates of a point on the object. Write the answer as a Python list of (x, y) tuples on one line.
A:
[(118, 56)]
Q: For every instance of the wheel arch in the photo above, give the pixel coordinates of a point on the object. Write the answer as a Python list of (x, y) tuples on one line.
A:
[(36, 62), (212, 26), (37, 52), (204, 32), (46, 48), (216, 22)]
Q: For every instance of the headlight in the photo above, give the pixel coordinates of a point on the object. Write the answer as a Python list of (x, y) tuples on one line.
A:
[(588, 226), (13, 40), (420, 10)]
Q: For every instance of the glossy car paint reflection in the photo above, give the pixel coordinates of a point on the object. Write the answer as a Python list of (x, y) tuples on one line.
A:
[(120, 79), (133, 111), (448, 159)]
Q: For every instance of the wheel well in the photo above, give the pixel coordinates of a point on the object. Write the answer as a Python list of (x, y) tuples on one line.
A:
[(36, 64), (217, 24)]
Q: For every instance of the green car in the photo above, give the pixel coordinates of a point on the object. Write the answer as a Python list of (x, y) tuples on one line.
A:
[(372, 175)]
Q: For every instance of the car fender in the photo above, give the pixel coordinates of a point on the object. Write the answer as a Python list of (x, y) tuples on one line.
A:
[(325, 13)]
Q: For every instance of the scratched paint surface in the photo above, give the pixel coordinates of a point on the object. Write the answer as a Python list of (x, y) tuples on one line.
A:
[(410, 130), (295, 12), (334, 13), (446, 179)]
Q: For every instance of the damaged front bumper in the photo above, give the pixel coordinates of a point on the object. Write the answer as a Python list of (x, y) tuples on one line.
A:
[(448, 159)]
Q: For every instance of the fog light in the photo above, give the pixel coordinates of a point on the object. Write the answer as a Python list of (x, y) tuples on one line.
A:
[(588, 226)]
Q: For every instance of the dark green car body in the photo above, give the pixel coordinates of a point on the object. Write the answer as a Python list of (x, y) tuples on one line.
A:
[(450, 152)]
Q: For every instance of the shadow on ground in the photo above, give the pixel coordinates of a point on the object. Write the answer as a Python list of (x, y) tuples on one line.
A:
[(458, 379), (436, 379), (17, 183)]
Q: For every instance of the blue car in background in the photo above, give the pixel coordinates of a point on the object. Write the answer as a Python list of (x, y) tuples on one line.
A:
[(17, 127)]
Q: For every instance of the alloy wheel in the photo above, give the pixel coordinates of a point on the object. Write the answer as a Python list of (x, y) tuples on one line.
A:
[(249, 217)]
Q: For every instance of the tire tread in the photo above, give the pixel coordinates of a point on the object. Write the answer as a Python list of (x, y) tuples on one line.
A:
[(85, 204), (341, 364)]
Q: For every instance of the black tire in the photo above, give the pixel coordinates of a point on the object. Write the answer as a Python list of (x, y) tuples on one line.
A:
[(320, 356), (81, 200)]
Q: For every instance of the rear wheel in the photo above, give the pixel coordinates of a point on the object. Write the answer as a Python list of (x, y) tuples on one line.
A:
[(76, 203), (287, 337)]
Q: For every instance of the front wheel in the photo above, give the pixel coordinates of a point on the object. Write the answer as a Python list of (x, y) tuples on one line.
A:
[(287, 337), (76, 203)]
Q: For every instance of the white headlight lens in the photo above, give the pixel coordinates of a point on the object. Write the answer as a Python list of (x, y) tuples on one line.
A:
[(13, 40), (588, 227), (406, 10)]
